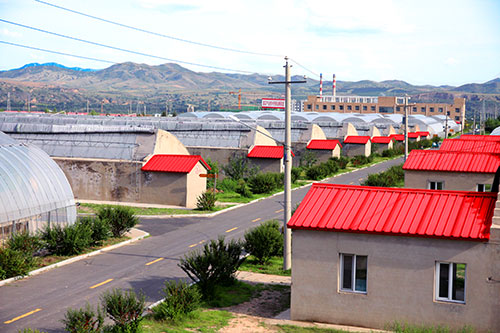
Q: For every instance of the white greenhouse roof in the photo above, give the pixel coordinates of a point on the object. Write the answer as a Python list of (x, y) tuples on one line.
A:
[(31, 183)]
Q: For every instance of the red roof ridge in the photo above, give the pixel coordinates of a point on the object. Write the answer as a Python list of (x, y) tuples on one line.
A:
[(173, 163)]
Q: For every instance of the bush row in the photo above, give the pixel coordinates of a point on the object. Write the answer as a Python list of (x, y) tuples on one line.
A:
[(390, 178), (18, 256)]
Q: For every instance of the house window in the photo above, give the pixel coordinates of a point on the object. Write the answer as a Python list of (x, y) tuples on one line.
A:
[(422, 109), (372, 107), (364, 108), (398, 108), (333, 107), (353, 269), (431, 109), (357, 107), (317, 106), (457, 118), (324, 107), (349, 107), (450, 282), (435, 185), (309, 106), (341, 107), (414, 109), (440, 109), (457, 110), (483, 187)]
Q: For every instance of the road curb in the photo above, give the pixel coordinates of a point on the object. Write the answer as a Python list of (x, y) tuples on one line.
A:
[(77, 258)]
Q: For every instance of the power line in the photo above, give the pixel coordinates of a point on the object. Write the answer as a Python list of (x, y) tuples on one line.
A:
[(158, 34), (123, 50), (57, 52), (303, 67)]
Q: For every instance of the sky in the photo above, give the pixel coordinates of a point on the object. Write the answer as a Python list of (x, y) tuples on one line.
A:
[(437, 42)]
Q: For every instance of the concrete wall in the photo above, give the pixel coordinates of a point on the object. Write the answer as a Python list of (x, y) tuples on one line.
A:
[(196, 185), (380, 147), (167, 143), (323, 155), (268, 164), (451, 180), (123, 181), (352, 149), (218, 154), (400, 280)]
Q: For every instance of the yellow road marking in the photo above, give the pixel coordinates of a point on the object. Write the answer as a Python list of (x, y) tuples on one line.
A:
[(100, 284), (193, 245), (279, 211), (257, 219), (21, 316), (152, 262), (201, 242), (232, 229), (351, 183), (360, 179)]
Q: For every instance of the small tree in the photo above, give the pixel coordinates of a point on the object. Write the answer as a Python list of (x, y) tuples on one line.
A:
[(216, 264), (180, 299), (308, 159), (239, 168), (83, 320), (207, 200), (125, 308), (264, 241), (121, 219)]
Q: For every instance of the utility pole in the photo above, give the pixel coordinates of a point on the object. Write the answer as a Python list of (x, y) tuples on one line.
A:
[(406, 106), (8, 101), (446, 123), (87, 106), (287, 234)]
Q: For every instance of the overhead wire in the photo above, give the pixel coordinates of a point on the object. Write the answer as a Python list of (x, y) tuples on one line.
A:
[(156, 33), (122, 49), (303, 67), (57, 52)]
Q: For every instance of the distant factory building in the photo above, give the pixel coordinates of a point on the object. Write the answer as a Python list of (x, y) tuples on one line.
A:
[(384, 105)]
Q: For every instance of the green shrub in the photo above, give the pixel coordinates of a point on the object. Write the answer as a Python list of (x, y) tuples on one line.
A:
[(125, 308), (265, 182), (83, 320), (296, 173), (317, 172), (24, 242), (331, 166), (361, 160), (69, 240), (227, 185), (120, 218), (389, 178), (216, 264), (14, 263), (393, 152), (30, 330), (101, 229), (308, 159), (239, 167), (180, 299), (243, 189), (207, 200), (342, 161), (264, 241)]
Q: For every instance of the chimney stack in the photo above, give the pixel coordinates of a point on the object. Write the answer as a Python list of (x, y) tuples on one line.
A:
[(320, 85), (334, 86)]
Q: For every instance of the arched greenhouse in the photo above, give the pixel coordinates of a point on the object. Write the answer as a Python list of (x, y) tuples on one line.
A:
[(34, 191)]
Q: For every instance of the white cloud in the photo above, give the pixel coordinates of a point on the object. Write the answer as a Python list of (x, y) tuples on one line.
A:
[(10, 33)]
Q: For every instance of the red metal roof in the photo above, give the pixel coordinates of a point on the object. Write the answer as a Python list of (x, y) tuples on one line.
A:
[(267, 152), (173, 163), (357, 139), (396, 211), (381, 139), (424, 133), (471, 146), (480, 137), (323, 144), (398, 137), (453, 161), (413, 135)]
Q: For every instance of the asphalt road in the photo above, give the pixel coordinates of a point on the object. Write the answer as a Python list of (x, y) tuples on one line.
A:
[(41, 301)]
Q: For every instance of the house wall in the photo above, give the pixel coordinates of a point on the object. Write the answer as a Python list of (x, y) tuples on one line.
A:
[(351, 149), (400, 281), (123, 181), (380, 147), (323, 155), (268, 164), (460, 181), (196, 185)]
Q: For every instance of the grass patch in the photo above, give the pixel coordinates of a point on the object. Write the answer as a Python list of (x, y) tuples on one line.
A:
[(274, 266), (93, 208), (399, 327), (196, 321), (239, 292), (53, 259), (299, 329)]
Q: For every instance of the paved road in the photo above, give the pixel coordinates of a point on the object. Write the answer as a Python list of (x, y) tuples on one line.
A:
[(41, 301)]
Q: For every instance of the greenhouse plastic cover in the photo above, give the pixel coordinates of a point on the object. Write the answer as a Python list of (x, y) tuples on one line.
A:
[(31, 183)]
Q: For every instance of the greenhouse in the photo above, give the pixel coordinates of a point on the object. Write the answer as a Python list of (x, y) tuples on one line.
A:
[(34, 191)]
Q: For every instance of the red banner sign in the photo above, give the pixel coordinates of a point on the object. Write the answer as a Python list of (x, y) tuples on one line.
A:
[(273, 103)]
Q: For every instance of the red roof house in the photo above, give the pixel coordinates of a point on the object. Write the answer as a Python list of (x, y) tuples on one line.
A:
[(480, 137), (382, 143), (267, 158), (398, 137), (174, 163), (357, 145), (423, 254), (452, 170), (324, 149)]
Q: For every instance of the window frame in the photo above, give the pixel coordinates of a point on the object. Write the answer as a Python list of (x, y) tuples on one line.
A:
[(353, 274), (486, 187), (437, 271), (429, 187)]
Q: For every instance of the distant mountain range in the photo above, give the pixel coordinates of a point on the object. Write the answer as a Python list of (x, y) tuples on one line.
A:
[(120, 84)]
